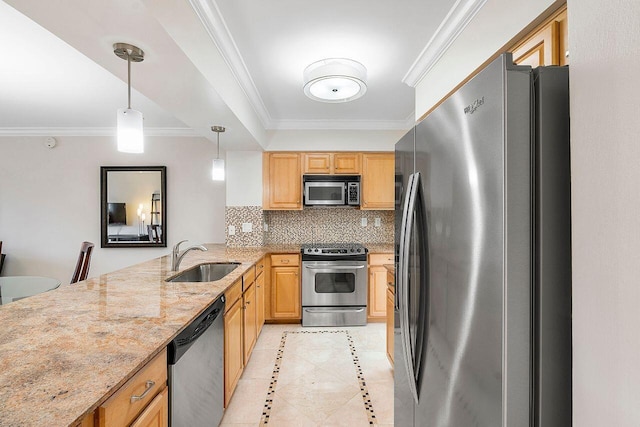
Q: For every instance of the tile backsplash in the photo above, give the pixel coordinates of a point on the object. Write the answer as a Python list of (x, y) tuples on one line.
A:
[(236, 216), (321, 225), (328, 225)]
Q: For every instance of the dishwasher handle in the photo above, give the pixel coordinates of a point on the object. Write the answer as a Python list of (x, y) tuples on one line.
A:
[(191, 333)]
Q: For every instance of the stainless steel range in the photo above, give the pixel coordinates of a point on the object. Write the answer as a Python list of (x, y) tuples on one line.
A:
[(334, 285)]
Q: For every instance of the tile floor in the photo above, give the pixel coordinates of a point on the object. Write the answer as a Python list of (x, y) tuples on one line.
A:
[(318, 377)]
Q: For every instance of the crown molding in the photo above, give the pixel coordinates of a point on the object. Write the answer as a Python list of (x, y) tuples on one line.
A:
[(91, 131), (214, 23), (459, 16)]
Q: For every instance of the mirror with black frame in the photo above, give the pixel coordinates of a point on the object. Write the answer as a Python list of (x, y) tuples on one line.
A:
[(133, 208)]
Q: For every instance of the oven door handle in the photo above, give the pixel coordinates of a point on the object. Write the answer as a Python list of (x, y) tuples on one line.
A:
[(334, 310), (334, 267)]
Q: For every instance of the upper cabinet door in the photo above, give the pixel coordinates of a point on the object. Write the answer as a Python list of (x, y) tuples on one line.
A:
[(331, 163), (547, 45), (346, 163), (378, 183), (317, 163), (282, 181)]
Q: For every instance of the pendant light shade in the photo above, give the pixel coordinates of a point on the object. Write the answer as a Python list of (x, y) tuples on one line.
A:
[(217, 169), (130, 133)]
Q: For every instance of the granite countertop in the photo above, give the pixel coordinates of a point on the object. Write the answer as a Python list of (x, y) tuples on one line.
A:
[(64, 352), (379, 248)]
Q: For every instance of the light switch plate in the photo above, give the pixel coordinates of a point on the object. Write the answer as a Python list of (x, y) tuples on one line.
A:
[(376, 222), (363, 222), (232, 230), (247, 227)]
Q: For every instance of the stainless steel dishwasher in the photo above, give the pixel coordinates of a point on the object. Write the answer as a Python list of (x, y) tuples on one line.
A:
[(196, 371)]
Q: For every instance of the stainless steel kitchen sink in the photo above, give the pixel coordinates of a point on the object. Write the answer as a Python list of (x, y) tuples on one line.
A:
[(209, 272)]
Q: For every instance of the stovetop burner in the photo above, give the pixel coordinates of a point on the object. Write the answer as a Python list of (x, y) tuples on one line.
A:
[(333, 249)]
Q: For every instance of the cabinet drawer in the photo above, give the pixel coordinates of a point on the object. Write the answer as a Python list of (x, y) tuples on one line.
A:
[(380, 259), (119, 409), (233, 293), (248, 278), (285, 260)]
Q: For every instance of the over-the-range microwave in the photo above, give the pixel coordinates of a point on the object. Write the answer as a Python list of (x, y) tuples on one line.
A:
[(331, 190)]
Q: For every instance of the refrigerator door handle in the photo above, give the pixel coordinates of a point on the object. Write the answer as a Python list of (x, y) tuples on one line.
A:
[(402, 256), (404, 297)]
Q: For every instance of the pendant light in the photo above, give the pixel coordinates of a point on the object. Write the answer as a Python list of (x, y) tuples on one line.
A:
[(130, 134), (217, 170)]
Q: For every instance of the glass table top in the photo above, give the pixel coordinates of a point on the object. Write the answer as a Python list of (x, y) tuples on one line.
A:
[(13, 288)]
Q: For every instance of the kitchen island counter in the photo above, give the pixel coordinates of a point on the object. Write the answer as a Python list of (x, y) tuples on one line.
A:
[(64, 352)]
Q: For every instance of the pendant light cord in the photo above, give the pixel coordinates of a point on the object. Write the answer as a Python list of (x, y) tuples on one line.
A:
[(218, 155), (129, 76)]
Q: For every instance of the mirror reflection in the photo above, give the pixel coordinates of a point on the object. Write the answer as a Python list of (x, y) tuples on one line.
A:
[(133, 209)]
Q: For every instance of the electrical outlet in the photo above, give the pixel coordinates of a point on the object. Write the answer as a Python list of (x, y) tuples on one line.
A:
[(247, 227), (232, 230), (363, 222), (377, 222), (265, 227)]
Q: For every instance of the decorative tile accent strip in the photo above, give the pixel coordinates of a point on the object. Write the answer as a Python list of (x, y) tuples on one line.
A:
[(236, 216), (327, 225), (364, 391)]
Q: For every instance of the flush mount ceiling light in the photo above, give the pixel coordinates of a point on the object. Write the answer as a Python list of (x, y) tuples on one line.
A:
[(217, 170), (335, 80), (130, 135)]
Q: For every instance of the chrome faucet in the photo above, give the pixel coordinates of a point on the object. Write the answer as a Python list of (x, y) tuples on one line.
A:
[(176, 255)]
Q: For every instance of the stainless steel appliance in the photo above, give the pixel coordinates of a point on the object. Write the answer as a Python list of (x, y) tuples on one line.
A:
[(332, 190), (196, 381), (334, 285), (483, 293)]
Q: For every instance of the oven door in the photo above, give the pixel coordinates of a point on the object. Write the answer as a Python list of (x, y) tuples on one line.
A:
[(334, 283), (324, 193)]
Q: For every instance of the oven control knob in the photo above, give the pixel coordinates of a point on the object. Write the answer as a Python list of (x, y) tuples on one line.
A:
[(351, 249), (316, 249)]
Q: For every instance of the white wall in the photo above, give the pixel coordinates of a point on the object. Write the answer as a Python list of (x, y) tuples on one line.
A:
[(603, 43), (244, 178), (497, 22), (50, 200), (333, 140)]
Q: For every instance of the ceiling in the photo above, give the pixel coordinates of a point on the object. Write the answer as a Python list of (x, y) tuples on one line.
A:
[(236, 63)]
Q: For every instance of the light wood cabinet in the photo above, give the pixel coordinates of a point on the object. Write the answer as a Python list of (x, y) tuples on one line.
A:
[(156, 414), (285, 287), (134, 403), (233, 340), (390, 312), (377, 298), (547, 45), (260, 296), (281, 181), (377, 186), (249, 322), (331, 163)]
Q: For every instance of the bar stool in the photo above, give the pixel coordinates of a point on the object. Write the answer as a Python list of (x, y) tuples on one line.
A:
[(82, 266)]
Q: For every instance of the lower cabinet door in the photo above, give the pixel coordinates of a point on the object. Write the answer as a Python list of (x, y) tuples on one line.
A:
[(390, 308), (377, 304), (260, 295), (249, 321), (156, 414), (285, 293), (233, 355)]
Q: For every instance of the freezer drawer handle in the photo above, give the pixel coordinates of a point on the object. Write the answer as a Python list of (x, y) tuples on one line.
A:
[(149, 385)]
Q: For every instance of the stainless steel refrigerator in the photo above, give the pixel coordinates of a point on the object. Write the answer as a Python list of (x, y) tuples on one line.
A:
[(483, 245)]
